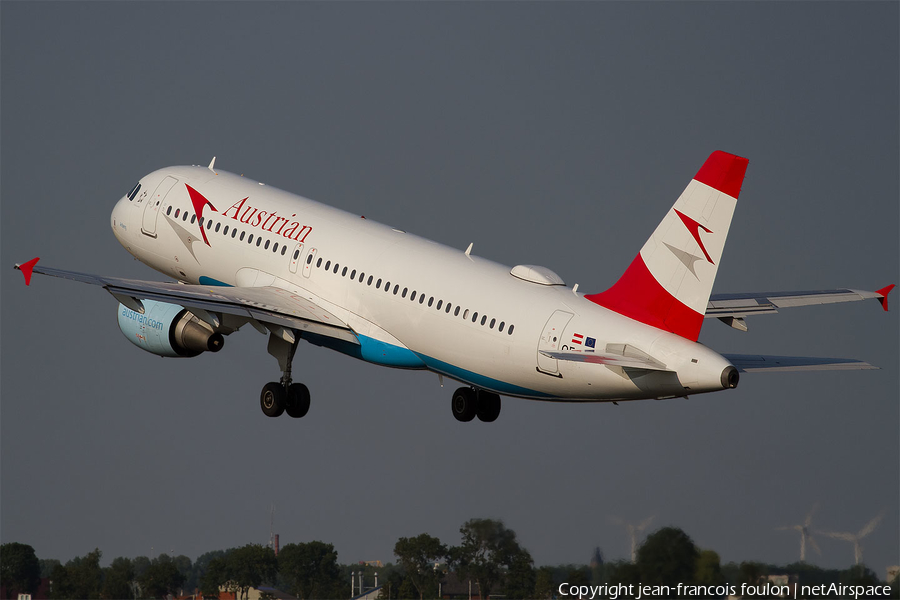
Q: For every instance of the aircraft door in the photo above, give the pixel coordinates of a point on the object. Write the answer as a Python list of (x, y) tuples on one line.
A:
[(307, 267), (154, 202), (551, 341), (295, 257)]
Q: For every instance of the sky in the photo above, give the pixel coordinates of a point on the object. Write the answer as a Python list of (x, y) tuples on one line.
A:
[(555, 134)]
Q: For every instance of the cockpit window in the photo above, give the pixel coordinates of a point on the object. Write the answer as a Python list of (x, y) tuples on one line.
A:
[(134, 191)]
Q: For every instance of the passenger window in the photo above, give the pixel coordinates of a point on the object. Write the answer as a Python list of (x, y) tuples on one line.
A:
[(177, 212), (422, 299), (438, 307), (491, 326), (396, 287), (447, 309), (242, 236), (184, 216), (353, 274), (430, 301), (369, 282), (225, 231), (378, 285), (466, 314), (344, 272), (474, 317), (193, 218), (209, 224), (233, 233), (509, 331), (412, 296), (501, 326), (250, 239), (169, 210), (266, 246), (283, 250), (327, 265), (404, 292), (275, 247), (361, 277), (217, 227), (258, 241), (319, 263), (456, 312), (336, 267)]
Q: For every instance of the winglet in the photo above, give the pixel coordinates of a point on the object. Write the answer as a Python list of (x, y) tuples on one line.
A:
[(884, 294), (28, 267)]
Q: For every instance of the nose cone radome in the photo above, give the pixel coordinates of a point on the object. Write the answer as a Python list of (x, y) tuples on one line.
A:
[(117, 218)]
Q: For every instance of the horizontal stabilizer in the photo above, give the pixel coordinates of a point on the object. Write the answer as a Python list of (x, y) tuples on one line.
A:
[(613, 360), (748, 363), (737, 306)]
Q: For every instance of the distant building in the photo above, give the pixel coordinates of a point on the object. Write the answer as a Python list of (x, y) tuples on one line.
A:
[(371, 594)]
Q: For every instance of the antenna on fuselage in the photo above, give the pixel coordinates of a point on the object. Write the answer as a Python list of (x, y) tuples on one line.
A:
[(469, 249), (212, 163)]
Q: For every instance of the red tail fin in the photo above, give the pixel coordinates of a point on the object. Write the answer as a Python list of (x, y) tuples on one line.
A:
[(668, 283)]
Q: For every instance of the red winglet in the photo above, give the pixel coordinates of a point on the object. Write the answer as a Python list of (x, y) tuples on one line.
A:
[(884, 294), (724, 172), (28, 267)]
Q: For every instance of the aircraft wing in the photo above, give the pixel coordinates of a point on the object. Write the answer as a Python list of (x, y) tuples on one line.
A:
[(749, 363), (265, 305), (732, 308)]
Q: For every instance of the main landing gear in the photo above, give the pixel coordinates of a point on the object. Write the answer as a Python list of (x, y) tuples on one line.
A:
[(468, 403), (284, 396)]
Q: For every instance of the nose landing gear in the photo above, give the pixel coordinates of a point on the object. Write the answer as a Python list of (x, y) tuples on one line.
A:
[(467, 403), (284, 396)]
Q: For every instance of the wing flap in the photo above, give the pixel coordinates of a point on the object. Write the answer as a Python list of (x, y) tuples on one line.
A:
[(749, 363)]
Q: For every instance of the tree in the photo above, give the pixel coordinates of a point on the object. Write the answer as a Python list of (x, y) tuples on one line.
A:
[(213, 577), (667, 557), (310, 569), (250, 566), (118, 579), (543, 583), (418, 556), (520, 577), (161, 578), (20, 570), (81, 577), (488, 549)]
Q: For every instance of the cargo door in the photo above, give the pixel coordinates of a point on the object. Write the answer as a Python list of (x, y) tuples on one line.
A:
[(551, 341)]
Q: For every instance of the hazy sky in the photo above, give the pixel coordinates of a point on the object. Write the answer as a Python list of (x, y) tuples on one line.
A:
[(545, 133)]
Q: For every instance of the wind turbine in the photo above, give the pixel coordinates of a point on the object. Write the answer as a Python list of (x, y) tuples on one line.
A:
[(633, 531), (855, 538), (805, 535)]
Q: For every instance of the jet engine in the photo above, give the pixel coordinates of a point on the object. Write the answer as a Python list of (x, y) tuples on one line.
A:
[(168, 330)]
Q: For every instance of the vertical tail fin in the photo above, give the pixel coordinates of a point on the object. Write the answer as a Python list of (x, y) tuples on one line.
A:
[(668, 283)]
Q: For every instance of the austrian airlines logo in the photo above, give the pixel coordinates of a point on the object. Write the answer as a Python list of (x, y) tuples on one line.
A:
[(694, 227), (199, 202)]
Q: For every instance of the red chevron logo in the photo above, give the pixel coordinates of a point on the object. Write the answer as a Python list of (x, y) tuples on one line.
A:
[(199, 201), (694, 227)]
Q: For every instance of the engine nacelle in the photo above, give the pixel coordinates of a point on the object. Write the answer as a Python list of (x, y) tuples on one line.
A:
[(168, 330)]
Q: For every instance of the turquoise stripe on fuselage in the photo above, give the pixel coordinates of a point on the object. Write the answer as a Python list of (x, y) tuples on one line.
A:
[(389, 355), (204, 280)]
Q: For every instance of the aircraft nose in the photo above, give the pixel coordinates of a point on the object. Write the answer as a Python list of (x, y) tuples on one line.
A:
[(117, 217)]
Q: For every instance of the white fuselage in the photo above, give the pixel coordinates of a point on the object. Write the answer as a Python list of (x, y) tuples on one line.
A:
[(320, 247)]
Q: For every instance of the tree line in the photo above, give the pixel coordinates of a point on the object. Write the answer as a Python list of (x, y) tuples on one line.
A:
[(489, 556)]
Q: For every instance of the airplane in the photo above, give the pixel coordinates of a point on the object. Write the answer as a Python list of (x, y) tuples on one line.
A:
[(241, 252)]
